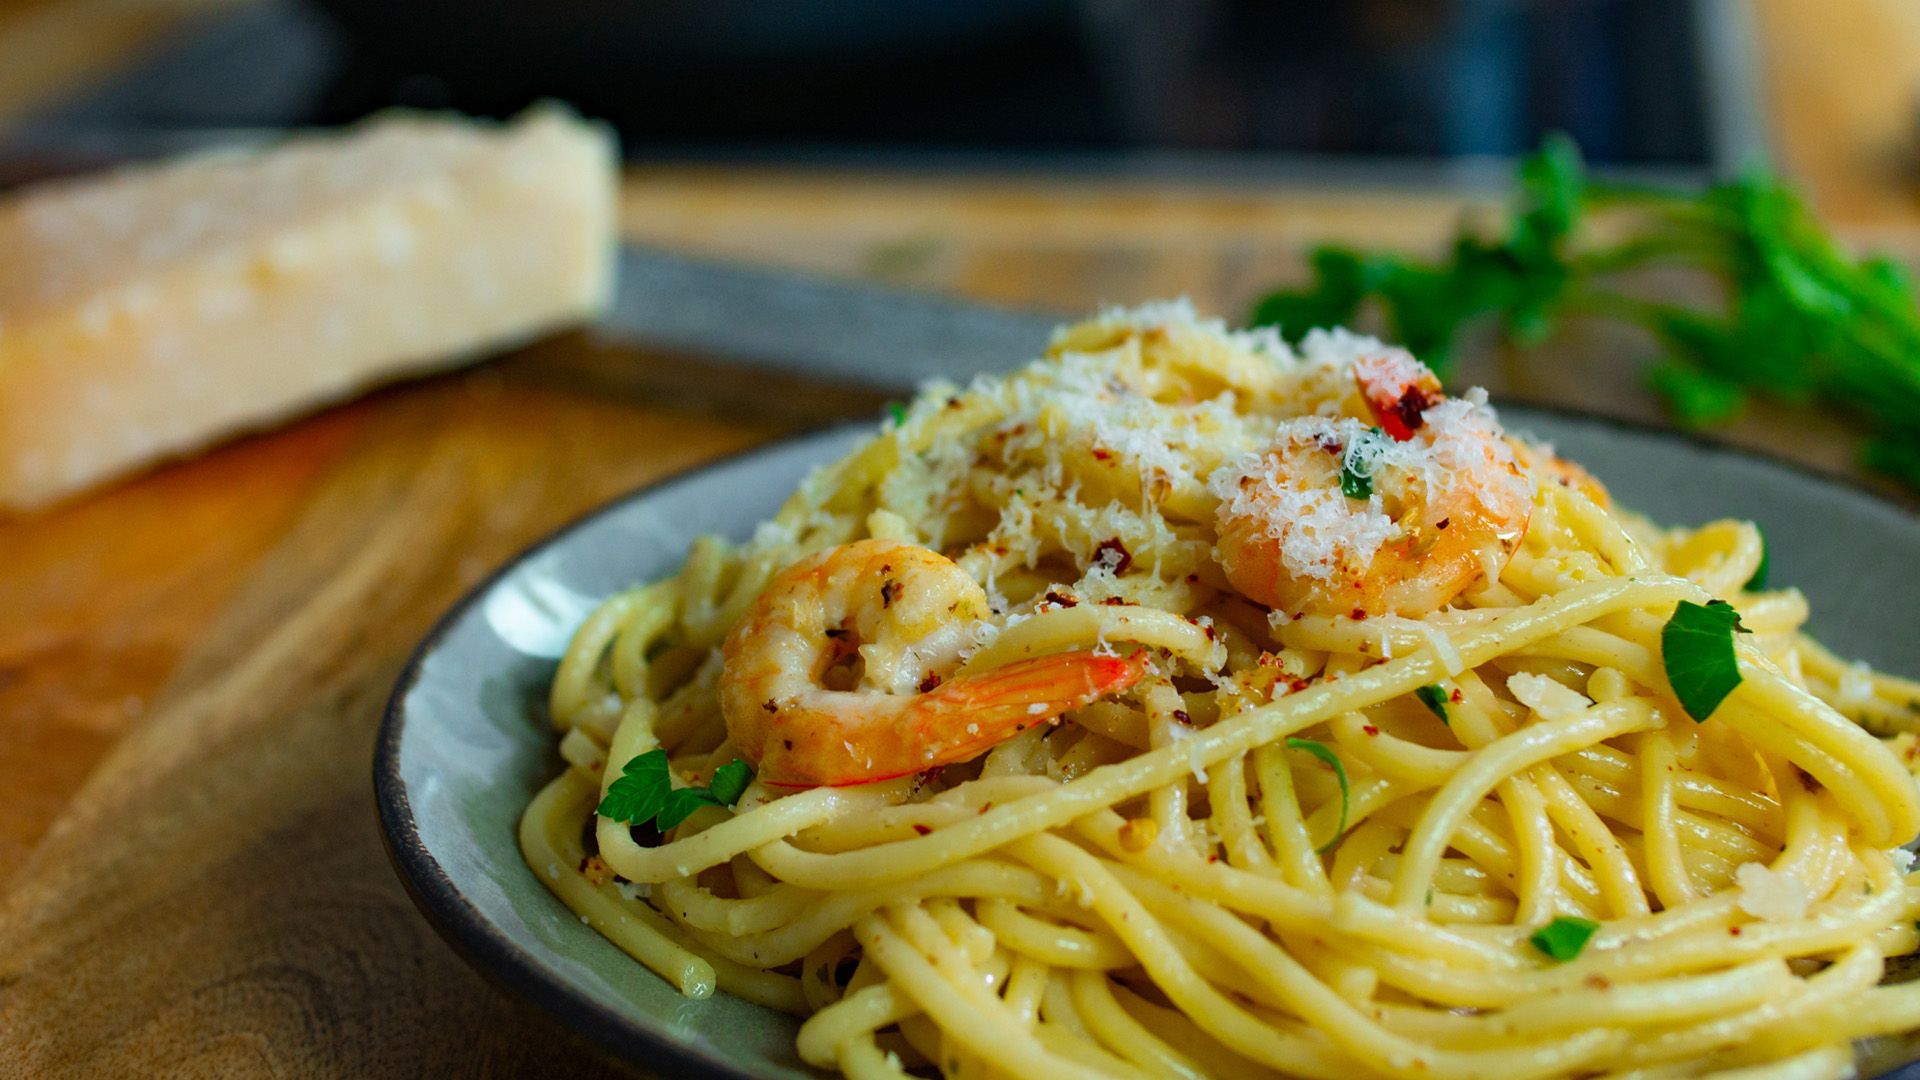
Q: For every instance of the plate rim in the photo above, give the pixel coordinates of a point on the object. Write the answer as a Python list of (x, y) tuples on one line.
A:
[(620, 1035)]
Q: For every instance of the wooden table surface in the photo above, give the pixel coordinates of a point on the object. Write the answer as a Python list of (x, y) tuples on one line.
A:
[(192, 663)]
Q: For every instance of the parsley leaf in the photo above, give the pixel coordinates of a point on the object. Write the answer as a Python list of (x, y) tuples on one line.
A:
[(1321, 751), (681, 803), (1564, 937), (730, 781), (1759, 579), (1696, 646), (1435, 699), (644, 791), (640, 791), (897, 413)]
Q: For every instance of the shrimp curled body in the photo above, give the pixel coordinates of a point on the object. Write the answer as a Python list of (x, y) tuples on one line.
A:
[(839, 672), (1339, 517)]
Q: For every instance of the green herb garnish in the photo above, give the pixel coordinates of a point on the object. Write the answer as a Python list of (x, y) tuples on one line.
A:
[(1564, 937), (645, 792), (1321, 751), (1356, 467), (1801, 320), (1759, 579), (897, 413), (1435, 699), (1355, 484), (1696, 646)]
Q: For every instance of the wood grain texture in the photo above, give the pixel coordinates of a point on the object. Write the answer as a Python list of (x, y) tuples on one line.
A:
[(215, 897), (211, 643)]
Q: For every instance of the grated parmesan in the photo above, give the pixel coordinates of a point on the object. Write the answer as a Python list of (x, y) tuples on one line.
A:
[(1545, 696), (1856, 685), (1773, 895)]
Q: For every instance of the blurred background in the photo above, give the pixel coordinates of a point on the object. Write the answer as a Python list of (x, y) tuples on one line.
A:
[(1090, 83)]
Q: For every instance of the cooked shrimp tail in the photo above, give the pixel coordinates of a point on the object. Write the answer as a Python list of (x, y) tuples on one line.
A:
[(956, 721)]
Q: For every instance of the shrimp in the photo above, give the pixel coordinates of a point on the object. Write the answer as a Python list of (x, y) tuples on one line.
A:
[(839, 673), (1336, 518)]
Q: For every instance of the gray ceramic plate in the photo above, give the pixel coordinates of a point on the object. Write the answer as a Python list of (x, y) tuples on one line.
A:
[(466, 743)]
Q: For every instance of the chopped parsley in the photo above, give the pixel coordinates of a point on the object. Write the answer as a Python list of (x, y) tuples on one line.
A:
[(1564, 937), (1356, 467), (1696, 646), (1759, 579), (897, 413), (1355, 484), (645, 792), (1435, 699), (1332, 759)]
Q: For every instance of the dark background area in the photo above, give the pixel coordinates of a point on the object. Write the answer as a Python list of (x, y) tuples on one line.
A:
[(1366, 79)]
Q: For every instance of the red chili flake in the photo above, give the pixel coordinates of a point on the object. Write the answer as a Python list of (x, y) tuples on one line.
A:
[(1407, 410), (953, 403), (1332, 445), (1599, 982), (1734, 930), (1370, 729), (888, 589), (1298, 685), (1181, 716), (1055, 598), (1192, 578), (1358, 615), (923, 829), (1443, 523), (927, 684), (985, 806), (1113, 600), (1101, 453), (1456, 696), (1213, 858), (1122, 558)]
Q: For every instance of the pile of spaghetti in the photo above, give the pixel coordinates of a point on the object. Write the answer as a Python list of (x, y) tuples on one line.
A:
[(1184, 704)]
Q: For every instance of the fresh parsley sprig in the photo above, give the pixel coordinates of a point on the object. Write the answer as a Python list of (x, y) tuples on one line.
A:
[(644, 791), (1801, 320), (1434, 697), (1696, 646)]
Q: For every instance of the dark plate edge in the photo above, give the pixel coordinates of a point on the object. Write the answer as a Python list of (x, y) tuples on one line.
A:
[(507, 965)]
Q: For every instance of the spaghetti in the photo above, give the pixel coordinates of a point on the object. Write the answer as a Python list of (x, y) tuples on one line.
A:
[(1306, 820)]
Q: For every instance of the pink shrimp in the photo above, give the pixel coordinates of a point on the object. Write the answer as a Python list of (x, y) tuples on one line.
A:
[(1335, 519), (840, 671)]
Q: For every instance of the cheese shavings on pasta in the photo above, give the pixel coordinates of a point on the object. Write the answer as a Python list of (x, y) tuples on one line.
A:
[(1311, 839)]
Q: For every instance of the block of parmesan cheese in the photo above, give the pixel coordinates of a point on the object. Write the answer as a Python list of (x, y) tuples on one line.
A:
[(153, 310)]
